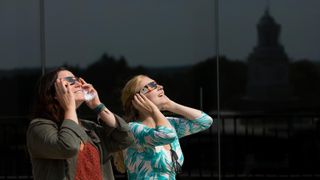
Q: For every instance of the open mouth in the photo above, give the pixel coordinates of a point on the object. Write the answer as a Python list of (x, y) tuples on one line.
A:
[(78, 91)]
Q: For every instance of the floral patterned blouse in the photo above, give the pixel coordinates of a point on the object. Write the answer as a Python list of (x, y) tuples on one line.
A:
[(147, 158)]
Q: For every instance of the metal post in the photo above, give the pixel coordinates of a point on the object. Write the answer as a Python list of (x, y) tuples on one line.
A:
[(42, 36), (216, 20), (201, 99)]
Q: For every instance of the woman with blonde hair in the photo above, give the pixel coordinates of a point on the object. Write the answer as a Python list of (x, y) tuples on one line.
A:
[(156, 153)]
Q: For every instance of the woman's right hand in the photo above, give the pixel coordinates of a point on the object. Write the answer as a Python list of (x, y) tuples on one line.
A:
[(142, 103), (64, 95)]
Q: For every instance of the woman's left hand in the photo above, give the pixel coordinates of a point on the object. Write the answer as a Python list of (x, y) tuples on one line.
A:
[(90, 89), (167, 104)]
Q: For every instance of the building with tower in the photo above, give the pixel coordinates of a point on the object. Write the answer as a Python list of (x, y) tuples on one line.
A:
[(267, 77)]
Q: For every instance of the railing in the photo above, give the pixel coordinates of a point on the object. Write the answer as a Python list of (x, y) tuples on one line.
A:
[(253, 146), (14, 162), (256, 146)]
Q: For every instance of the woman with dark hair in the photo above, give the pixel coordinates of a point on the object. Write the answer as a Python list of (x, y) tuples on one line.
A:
[(156, 153), (62, 146)]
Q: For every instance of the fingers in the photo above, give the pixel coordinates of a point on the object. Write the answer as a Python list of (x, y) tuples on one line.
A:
[(88, 87), (60, 87), (68, 88), (135, 105), (143, 103), (82, 81), (137, 100), (144, 98), (140, 104), (64, 94), (140, 98)]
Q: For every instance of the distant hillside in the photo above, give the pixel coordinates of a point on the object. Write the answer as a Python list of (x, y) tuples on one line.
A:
[(167, 70), (14, 72), (150, 70)]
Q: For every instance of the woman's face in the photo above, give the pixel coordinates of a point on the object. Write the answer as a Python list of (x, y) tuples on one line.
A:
[(74, 83), (153, 91)]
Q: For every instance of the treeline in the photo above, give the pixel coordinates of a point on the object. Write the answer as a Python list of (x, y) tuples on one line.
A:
[(185, 84)]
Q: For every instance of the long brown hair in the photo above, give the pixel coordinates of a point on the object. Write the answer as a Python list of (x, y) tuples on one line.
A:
[(45, 105), (131, 114)]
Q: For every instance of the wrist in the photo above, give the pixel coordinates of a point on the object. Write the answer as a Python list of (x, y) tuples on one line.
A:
[(155, 113), (69, 110), (170, 106), (99, 108), (93, 104)]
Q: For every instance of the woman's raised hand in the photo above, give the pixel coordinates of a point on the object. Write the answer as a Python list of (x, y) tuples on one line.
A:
[(95, 101), (167, 104), (64, 95), (142, 103)]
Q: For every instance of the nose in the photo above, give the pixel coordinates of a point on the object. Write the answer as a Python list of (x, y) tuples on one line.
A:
[(159, 87)]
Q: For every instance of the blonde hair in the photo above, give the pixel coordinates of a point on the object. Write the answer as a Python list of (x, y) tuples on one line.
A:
[(128, 92), (118, 161)]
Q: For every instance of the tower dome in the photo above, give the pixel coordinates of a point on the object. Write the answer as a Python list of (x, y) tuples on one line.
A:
[(268, 31), (268, 64)]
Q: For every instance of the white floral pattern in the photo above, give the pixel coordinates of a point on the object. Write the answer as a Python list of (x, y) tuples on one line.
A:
[(147, 158)]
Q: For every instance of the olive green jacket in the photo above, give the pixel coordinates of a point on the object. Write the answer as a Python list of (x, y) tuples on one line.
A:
[(53, 150)]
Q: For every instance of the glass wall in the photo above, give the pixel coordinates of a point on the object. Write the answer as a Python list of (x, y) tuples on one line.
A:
[(251, 65), (20, 55), (20, 68), (269, 88)]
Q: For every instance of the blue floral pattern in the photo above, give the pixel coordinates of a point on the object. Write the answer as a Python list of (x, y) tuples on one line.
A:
[(147, 158)]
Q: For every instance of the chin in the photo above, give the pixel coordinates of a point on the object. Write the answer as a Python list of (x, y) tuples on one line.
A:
[(79, 102)]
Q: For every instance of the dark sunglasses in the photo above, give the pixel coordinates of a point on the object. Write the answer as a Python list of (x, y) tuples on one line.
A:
[(175, 164), (71, 80), (149, 87)]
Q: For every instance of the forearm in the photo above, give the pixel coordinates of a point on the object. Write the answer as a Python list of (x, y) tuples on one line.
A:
[(117, 138), (108, 118), (72, 115), (160, 119), (187, 112), (158, 136)]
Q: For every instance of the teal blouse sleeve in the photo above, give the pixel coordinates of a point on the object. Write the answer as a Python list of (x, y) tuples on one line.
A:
[(158, 136), (186, 127)]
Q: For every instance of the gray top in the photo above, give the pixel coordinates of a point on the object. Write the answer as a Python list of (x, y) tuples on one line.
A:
[(53, 150)]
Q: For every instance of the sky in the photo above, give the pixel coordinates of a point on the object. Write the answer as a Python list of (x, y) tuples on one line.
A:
[(150, 32)]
